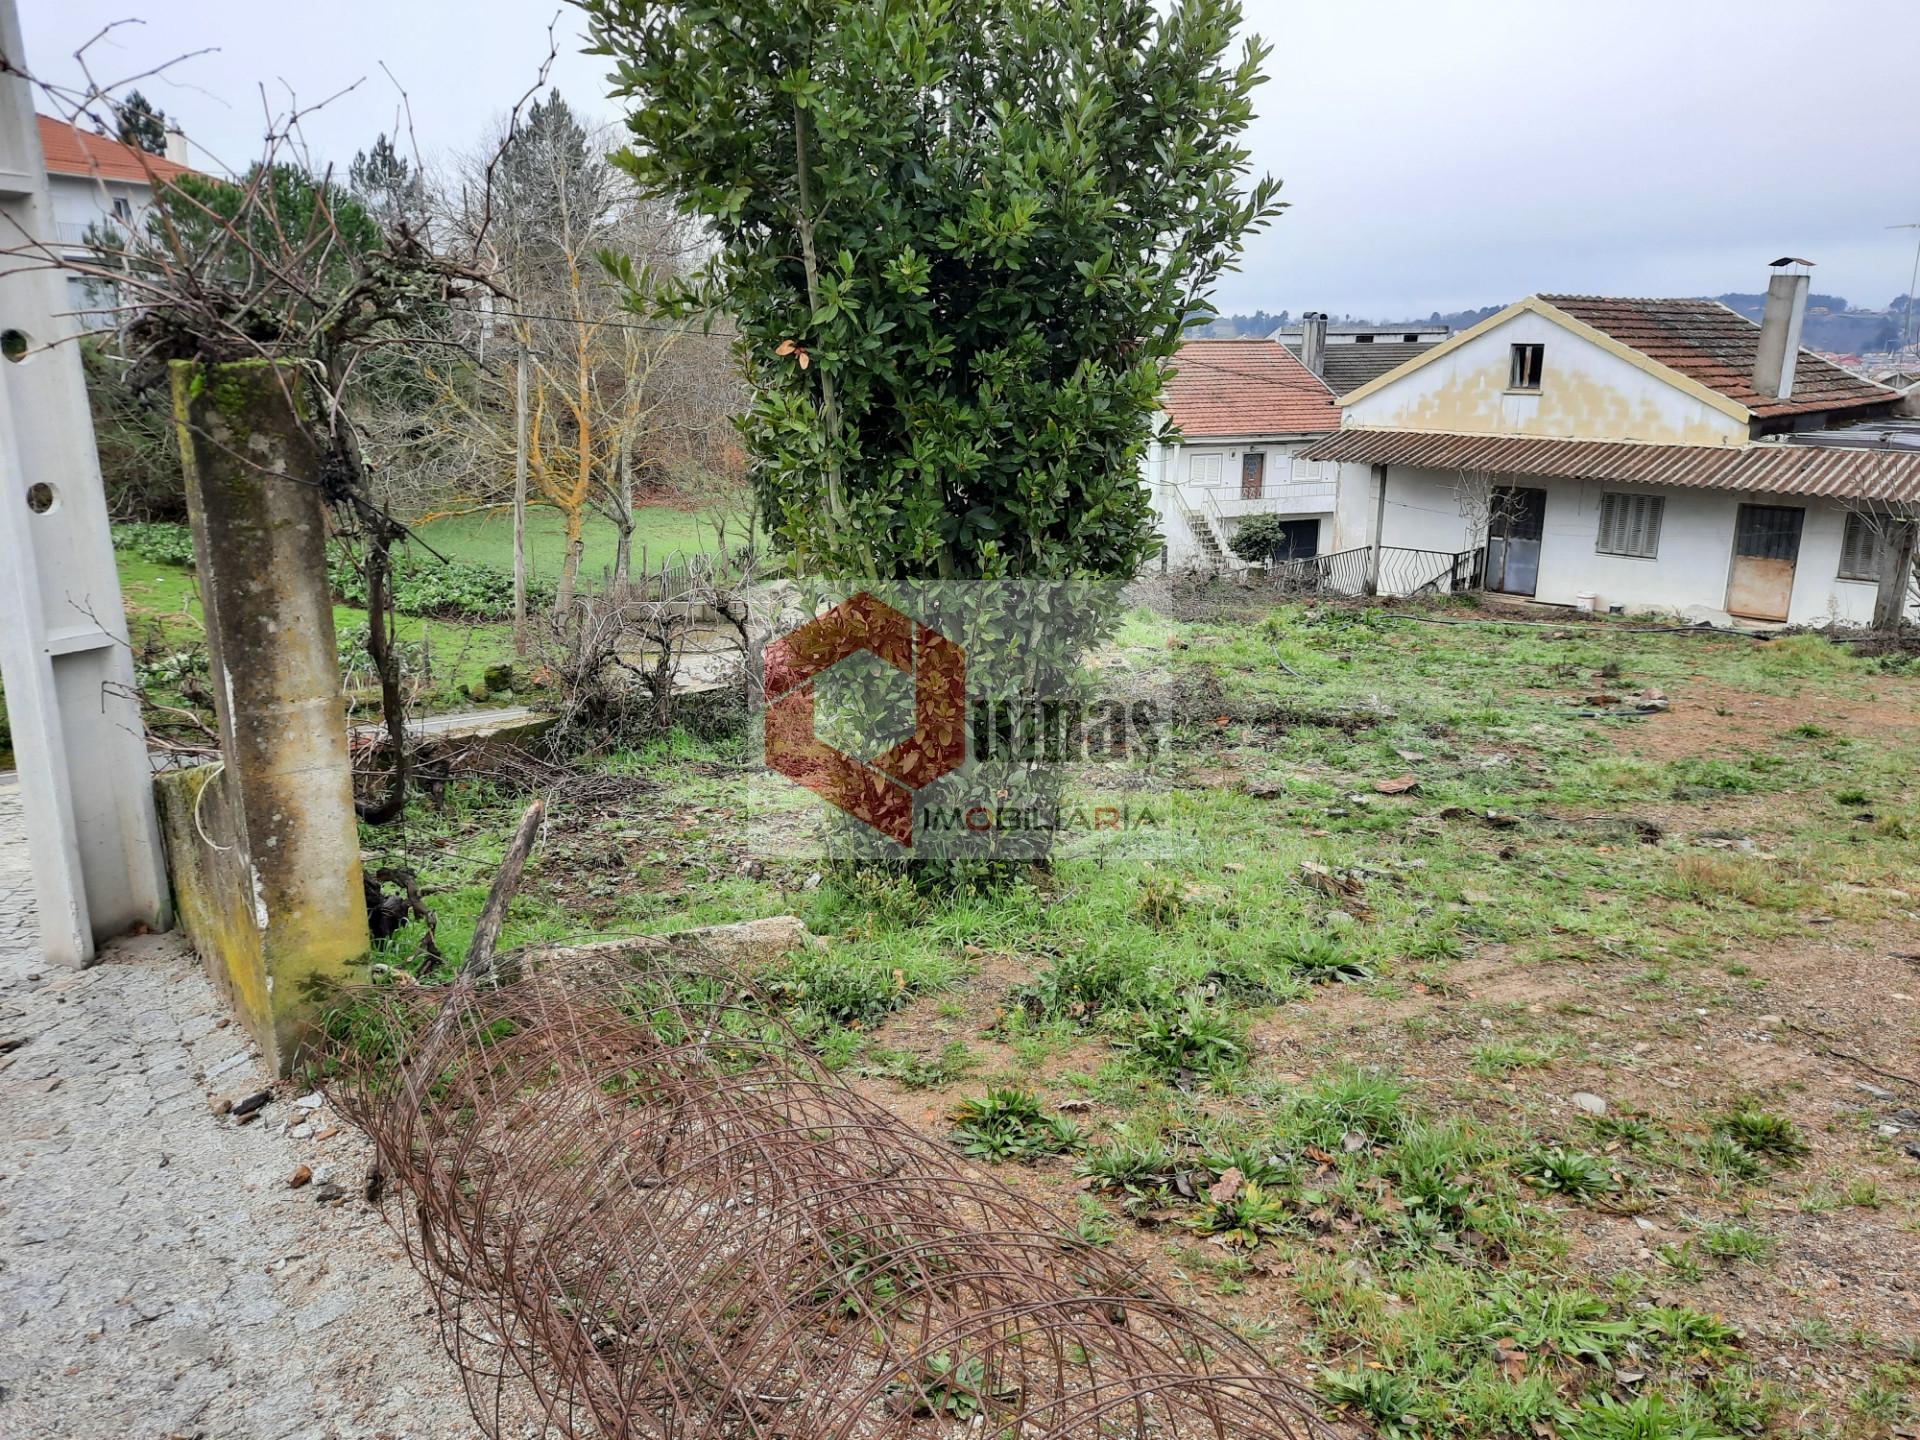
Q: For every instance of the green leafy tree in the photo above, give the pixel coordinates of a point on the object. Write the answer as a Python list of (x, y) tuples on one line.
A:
[(961, 239), (141, 125)]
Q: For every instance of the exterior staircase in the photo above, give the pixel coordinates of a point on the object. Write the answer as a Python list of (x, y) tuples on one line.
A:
[(1207, 536)]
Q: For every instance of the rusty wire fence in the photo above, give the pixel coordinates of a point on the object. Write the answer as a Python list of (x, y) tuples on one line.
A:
[(646, 1211)]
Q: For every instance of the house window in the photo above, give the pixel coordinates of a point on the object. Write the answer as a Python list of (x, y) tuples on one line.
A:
[(1861, 549), (1629, 524), (1524, 373), (1253, 475), (122, 209)]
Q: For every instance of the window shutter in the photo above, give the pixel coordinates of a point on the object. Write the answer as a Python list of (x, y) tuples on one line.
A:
[(1630, 525), (1859, 549)]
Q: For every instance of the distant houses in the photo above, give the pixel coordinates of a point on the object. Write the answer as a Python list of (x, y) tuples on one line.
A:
[(98, 186), (1635, 454), (1240, 413)]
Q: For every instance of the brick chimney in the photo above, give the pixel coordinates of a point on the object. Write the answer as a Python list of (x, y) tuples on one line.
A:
[(1786, 311), (1313, 341)]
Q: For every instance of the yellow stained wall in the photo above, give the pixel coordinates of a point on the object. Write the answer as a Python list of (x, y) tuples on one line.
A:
[(1586, 392)]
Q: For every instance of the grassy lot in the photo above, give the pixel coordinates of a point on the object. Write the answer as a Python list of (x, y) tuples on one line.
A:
[(1567, 1093), (163, 619), (163, 609), (487, 539)]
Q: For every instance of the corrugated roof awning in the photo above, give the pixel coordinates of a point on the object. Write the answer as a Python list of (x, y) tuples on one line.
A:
[(1834, 471)]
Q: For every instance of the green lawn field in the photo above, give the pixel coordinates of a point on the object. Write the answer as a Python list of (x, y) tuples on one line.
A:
[(487, 538)]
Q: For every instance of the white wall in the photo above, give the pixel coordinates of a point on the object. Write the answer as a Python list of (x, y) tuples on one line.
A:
[(1169, 472), (1690, 573), (1586, 392), (77, 203)]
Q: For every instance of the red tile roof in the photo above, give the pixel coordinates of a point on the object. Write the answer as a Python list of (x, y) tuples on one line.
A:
[(1708, 343), (75, 152), (1246, 387)]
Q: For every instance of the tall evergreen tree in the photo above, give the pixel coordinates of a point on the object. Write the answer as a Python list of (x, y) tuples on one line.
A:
[(385, 181), (141, 125)]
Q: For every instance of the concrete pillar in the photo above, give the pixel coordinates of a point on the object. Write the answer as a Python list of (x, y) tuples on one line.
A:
[(266, 854)]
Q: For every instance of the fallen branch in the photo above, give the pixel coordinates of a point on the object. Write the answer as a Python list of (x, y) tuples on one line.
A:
[(493, 915), (1834, 1052)]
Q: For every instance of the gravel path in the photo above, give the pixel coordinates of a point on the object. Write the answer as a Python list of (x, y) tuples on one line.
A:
[(158, 1277)]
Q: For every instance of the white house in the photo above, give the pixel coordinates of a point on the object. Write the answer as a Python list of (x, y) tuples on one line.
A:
[(1238, 415), (1644, 454), (92, 182)]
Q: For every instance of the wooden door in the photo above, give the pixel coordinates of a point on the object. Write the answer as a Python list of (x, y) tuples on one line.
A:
[(1766, 547), (1253, 475)]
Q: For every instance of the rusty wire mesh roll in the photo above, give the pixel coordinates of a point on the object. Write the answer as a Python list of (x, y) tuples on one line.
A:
[(647, 1207)]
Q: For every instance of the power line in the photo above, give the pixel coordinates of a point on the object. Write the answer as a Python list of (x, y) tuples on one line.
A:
[(605, 324)]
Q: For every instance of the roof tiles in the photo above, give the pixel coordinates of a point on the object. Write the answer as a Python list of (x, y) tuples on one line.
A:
[(1717, 347), (74, 152), (1246, 387)]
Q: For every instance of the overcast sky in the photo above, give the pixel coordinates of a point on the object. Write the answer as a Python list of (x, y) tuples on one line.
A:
[(1436, 155)]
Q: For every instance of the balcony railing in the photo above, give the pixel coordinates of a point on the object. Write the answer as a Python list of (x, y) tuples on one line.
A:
[(1284, 497), (1402, 571)]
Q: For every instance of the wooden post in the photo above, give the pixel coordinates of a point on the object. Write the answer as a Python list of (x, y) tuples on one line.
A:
[(1896, 570), (520, 504)]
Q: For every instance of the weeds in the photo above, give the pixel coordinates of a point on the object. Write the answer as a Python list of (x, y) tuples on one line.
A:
[(1010, 1125), (1568, 1172), (1760, 1132), (1384, 1400), (1189, 1036)]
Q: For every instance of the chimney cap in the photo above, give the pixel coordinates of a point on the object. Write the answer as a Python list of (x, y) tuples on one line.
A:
[(1785, 260)]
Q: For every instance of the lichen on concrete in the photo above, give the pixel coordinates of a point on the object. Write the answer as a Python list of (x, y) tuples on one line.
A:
[(283, 921)]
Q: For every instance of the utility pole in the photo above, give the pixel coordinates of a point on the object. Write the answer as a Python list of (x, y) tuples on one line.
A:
[(86, 786), (520, 504), (1913, 282)]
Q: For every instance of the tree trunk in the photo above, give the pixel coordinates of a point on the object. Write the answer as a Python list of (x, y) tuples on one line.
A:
[(623, 514), (386, 664), (520, 505), (569, 568)]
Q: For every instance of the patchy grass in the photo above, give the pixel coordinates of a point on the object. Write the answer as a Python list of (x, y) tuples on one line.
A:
[(1345, 1126)]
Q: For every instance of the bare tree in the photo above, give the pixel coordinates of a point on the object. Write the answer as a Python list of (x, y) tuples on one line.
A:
[(1895, 528), (285, 265)]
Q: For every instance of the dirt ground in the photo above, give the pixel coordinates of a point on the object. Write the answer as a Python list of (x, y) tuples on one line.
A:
[(1825, 1027)]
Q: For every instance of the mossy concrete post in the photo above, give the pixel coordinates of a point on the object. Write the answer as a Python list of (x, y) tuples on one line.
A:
[(298, 929)]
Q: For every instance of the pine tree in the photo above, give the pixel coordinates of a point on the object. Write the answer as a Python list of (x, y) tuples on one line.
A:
[(385, 181), (141, 125)]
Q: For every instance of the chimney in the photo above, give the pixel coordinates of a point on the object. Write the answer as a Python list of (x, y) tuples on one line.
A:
[(1313, 341), (1786, 310), (177, 146)]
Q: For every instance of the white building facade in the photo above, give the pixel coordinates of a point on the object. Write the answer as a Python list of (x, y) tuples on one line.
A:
[(96, 185), (1238, 415), (1637, 455)]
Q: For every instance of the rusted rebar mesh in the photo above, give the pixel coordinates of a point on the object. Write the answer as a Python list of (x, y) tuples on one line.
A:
[(647, 1207)]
